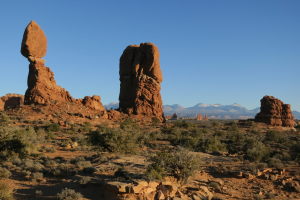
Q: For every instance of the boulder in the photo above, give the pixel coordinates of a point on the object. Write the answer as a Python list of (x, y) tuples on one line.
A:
[(274, 112), (93, 102), (34, 43), (11, 101), (140, 77)]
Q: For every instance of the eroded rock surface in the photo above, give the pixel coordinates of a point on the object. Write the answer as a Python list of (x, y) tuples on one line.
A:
[(274, 112), (140, 77), (42, 88), (93, 102), (34, 43), (11, 101)]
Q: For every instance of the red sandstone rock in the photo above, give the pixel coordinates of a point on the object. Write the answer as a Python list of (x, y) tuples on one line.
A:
[(93, 102), (34, 43), (140, 77), (274, 112), (42, 88), (287, 116), (1, 105), (11, 101)]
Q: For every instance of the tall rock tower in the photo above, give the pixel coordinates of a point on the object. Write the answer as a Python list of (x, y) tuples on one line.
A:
[(140, 77)]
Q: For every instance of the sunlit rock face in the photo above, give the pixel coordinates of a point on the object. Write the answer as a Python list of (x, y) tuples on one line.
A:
[(274, 112), (42, 88), (140, 77)]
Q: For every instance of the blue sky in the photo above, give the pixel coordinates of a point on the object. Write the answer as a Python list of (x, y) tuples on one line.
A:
[(213, 51)]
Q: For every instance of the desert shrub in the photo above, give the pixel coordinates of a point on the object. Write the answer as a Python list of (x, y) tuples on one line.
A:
[(32, 165), (274, 136), (53, 127), (125, 139), (84, 180), (257, 151), (155, 121), (81, 164), (183, 124), (38, 193), (37, 176), (211, 145), (18, 141), (295, 151), (274, 162), (69, 194), (129, 124), (4, 118), (86, 127), (62, 170), (4, 173), (179, 164), (236, 142), (6, 191)]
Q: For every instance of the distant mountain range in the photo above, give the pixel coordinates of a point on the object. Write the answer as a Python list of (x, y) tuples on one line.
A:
[(213, 111)]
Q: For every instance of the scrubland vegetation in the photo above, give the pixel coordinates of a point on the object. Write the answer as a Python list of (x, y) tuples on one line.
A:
[(33, 151)]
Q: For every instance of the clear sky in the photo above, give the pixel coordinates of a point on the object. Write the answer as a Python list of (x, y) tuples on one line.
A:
[(212, 51)]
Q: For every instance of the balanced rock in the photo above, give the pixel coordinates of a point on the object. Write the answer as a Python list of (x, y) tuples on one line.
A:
[(274, 112), (42, 88), (34, 43), (140, 77)]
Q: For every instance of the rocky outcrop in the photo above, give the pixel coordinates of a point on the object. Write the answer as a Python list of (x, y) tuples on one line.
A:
[(1, 105), (287, 116), (11, 101), (93, 102), (140, 77), (42, 88), (274, 112)]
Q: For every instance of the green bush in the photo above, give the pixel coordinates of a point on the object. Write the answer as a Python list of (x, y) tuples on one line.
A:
[(4, 173), (125, 139), (211, 145), (53, 127), (257, 151), (4, 118), (295, 151), (69, 194), (179, 164), (274, 136), (18, 141)]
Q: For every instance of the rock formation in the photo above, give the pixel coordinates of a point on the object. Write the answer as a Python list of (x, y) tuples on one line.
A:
[(11, 101), (140, 77), (274, 112), (93, 102), (42, 87)]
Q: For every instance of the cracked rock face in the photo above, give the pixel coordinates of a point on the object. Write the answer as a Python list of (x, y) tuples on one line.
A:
[(140, 77), (274, 112)]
